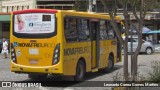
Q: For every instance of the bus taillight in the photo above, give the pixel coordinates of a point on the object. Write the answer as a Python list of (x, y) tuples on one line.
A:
[(56, 54), (13, 54)]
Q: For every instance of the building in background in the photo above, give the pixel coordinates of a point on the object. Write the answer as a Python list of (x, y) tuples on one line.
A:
[(152, 20), (4, 25), (14, 5), (0, 5), (7, 6)]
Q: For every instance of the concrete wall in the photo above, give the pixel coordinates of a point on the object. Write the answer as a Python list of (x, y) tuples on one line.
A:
[(14, 5)]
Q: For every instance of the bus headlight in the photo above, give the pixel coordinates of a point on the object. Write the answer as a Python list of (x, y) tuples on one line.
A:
[(56, 54), (13, 54)]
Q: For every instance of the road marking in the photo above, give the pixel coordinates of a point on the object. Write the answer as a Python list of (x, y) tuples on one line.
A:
[(68, 89), (17, 89), (43, 88)]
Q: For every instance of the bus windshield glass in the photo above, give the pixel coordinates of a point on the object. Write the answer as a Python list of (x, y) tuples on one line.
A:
[(34, 23)]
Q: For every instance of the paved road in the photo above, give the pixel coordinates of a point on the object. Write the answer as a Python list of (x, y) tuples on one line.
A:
[(144, 67)]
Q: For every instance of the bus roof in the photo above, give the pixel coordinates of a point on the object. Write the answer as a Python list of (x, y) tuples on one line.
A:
[(88, 14), (36, 11), (67, 12)]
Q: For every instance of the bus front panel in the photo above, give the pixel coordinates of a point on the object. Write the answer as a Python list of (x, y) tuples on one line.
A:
[(34, 43)]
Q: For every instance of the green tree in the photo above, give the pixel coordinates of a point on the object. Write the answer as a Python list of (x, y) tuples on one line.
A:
[(81, 5), (139, 10)]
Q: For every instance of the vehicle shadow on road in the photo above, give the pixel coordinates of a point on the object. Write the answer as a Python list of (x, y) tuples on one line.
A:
[(93, 75), (67, 81)]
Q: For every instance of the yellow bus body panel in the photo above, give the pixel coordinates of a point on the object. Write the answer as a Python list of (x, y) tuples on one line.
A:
[(44, 56), (82, 50), (68, 61)]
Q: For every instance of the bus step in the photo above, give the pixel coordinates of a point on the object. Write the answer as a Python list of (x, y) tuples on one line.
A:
[(95, 70)]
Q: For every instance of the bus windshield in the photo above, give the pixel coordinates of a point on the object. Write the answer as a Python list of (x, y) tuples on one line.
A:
[(34, 23)]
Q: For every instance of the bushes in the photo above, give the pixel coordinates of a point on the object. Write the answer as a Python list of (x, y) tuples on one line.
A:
[(154, 75)]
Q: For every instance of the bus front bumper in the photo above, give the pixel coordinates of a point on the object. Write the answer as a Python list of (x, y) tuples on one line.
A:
[(34, 69)]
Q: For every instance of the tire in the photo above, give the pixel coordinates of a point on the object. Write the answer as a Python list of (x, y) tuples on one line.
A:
[(110, 65), (148, 51), (80, 71), (37, 76)]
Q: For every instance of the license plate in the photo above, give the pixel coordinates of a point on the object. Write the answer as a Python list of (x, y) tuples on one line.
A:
[(33, 51), (33, 61)]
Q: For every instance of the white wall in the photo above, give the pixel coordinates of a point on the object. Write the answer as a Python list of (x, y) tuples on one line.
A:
[(14, 5), (17, 2)]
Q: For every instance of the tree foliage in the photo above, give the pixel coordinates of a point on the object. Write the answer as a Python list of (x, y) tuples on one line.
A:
[(81, 5), (138, 8)]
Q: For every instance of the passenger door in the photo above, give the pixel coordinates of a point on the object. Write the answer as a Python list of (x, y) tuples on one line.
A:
[(95, 46)]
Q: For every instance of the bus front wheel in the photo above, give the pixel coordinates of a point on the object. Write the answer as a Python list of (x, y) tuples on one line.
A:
[(80, 71)]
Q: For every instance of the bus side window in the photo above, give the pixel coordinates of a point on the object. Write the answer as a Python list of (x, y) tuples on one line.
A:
[(70, 29), (111, 34), (103, 30), (83, 30)]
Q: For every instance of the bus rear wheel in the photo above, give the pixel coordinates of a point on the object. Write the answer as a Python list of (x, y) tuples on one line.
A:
[(37, 76), (110, 66), (80, 71)]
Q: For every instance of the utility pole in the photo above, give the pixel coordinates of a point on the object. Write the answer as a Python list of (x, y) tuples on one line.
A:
[(0, 5), (92, 6), (132, 61)]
